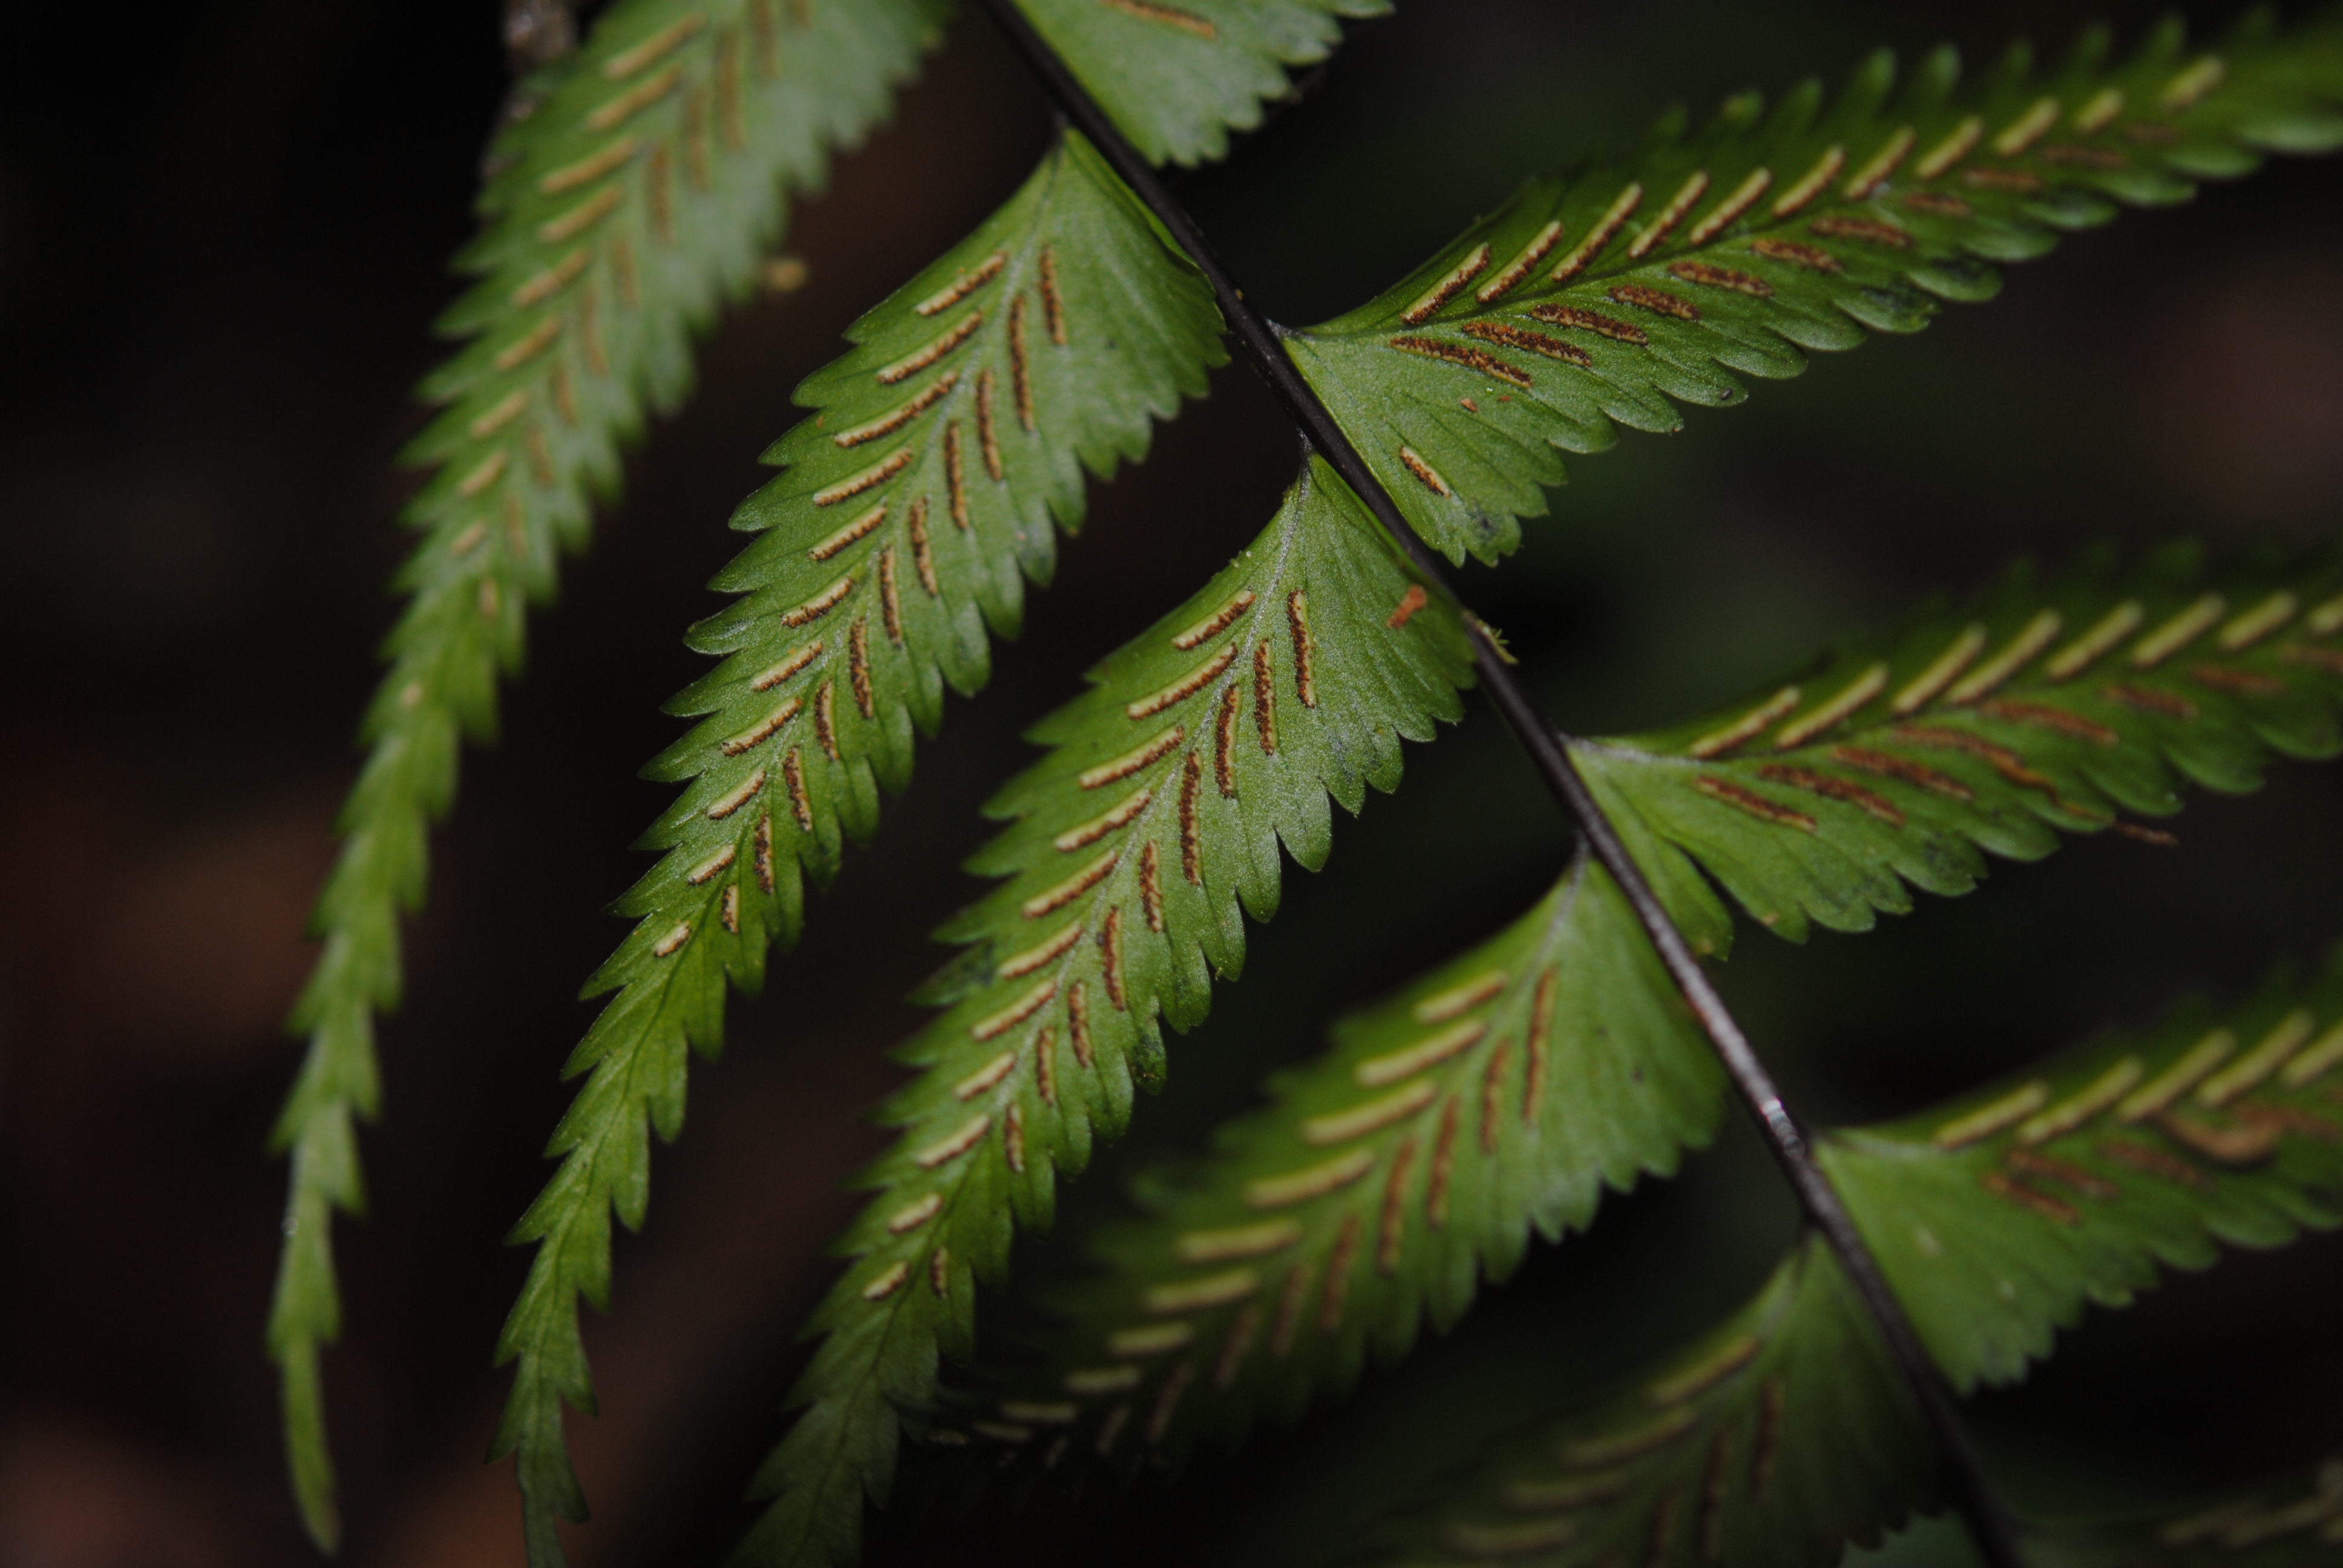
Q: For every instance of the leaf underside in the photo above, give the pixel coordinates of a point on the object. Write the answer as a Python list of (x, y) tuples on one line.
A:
[(1367, 1197), (1786, 1432), (1392, 1168), (2285, 1522), (1503, 1091), (1177, 78), (1206, 744), (907, 514), (1774, 1439), (639, 194), (1607, 299), (642, 192), (1998, 1217), (2044, 707), (1972, 736)]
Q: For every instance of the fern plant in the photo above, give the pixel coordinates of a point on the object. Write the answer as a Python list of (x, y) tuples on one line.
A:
[(1582, 1049)]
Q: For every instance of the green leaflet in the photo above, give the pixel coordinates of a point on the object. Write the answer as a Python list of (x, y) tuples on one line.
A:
[(2278, 1524), (906, 510), (1175, 78), (1212, 739), (949, 438), (2042, 706), (1587, 304), (1787, 1431), (639, 195), (1503, 1090), (1773, 1440), (1997, 1218)]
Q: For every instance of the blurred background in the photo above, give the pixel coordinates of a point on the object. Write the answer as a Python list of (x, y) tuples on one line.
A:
[(223, 233)]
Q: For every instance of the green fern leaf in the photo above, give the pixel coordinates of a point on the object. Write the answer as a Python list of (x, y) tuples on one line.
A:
[(1773, 1440), (1502, 1091), (907, 516), (2042, 707), (1588, 303), (1176, 79), (641, 192), (1997, 1218), (1208, 742)]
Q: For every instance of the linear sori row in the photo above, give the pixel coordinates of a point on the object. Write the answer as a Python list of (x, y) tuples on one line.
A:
[(1582, 1049)]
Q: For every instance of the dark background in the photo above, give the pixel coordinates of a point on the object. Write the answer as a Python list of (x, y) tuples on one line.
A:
[(222, 228)]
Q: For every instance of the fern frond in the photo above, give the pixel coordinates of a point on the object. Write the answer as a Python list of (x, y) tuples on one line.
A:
[(1281, 1300), (2042, 707), (2287, 1521), (1787, 1431), (1208, 742), (1504, 1090), (640, 193), (1773, 1440), (1998, 1217), (1177, 78), (910, 510), (1591, 303)]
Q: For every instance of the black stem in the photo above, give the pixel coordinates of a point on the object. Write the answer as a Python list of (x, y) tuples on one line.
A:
[(1988, 1518)]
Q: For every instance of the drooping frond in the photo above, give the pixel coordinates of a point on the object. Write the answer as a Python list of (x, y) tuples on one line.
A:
[(1772, 1441), (2043, 707), (1176, 79), (947, 442), (2290, 1522), (1787, 1431), (1214, 738), (1997, 1218), (1590, 303), (1502, 1091), (639, 194)]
